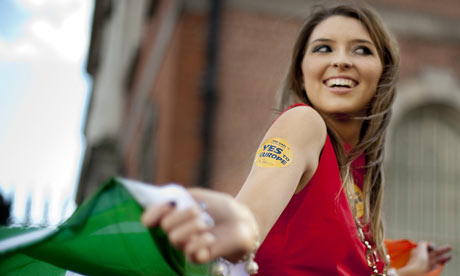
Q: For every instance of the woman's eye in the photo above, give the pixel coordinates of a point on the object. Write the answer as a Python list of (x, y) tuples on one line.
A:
[(363, 50), (322, 49)]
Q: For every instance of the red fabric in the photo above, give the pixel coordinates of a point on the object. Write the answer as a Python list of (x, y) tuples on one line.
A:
[(316, 233)]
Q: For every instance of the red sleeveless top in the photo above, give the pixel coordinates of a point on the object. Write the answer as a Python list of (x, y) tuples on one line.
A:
[(316, 233)]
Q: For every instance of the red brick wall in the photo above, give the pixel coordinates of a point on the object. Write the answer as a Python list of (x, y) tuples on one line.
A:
[(175, 96), (418, 54), (253, 57), (444, 8), (187, 135)]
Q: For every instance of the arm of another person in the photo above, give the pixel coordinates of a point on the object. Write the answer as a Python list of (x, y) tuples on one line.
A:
[(266, 192)]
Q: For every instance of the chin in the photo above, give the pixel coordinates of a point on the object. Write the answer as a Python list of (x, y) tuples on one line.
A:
[(343, 110)]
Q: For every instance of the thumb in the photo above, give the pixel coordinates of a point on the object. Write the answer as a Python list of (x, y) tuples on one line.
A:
[(422, 246)]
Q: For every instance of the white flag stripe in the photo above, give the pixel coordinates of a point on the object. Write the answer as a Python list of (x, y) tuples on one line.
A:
[(24, 239)]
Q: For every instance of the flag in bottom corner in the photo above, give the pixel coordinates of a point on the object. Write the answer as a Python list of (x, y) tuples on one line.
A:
[(103, 237)]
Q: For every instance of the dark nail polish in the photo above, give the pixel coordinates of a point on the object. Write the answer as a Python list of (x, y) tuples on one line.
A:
[(172, 203)]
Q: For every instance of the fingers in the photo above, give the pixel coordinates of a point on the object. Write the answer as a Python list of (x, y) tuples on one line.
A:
[(440, 255), (444, 258), (179, 225), (436, 251), (185, 228), (179, 217), (197, 249), (185, 231), (152, 215)]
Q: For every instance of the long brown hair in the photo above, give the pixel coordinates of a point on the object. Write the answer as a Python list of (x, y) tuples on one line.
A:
[(372, 136)]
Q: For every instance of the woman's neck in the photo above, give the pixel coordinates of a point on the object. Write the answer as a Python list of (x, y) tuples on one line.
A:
[(348, 129)]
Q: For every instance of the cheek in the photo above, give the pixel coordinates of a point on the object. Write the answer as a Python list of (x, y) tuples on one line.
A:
[(311, 72), (373, 77), (305, 71), (374, 72)]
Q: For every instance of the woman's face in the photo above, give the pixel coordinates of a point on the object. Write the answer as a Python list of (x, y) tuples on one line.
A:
[(341, 67)]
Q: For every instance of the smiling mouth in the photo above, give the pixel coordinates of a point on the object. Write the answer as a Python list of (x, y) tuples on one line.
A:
[(340, 83)]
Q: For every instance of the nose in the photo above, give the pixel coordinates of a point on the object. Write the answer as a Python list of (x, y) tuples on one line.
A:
[(341, 61), (342, 64)]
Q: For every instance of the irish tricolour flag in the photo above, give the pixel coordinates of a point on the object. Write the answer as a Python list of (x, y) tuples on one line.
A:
[(103, 237)]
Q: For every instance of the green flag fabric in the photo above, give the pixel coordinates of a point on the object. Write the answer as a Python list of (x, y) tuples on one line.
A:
[(104, 236)]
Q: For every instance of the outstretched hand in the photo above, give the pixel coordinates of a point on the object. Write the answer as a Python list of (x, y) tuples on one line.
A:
[(424, 258), (233, 234)]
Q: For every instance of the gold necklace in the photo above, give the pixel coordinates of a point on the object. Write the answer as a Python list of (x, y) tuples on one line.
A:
[(355, 199)]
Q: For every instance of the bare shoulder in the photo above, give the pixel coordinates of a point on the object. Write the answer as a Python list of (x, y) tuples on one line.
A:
[(303, 122)]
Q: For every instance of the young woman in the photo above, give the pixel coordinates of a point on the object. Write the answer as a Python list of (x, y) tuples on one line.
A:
[(313, 198)]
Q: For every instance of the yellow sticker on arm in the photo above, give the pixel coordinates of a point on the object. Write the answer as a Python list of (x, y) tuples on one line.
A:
[(274, 153)]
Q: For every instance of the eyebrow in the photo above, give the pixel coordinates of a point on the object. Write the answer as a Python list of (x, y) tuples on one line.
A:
[(354, 40), (362, 41)]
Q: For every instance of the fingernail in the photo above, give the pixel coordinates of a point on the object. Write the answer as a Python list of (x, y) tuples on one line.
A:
[(212, 237), (203, 206), (208, 221), (172, 203), (202, 255)]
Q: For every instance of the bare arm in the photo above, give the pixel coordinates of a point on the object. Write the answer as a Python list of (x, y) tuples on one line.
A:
[(267, 190)]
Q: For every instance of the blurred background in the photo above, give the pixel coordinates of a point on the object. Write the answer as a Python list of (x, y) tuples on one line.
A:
[(183, 91), (44, 92)]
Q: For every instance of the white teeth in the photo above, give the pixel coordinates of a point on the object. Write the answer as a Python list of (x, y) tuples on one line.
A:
[(340, 82)]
